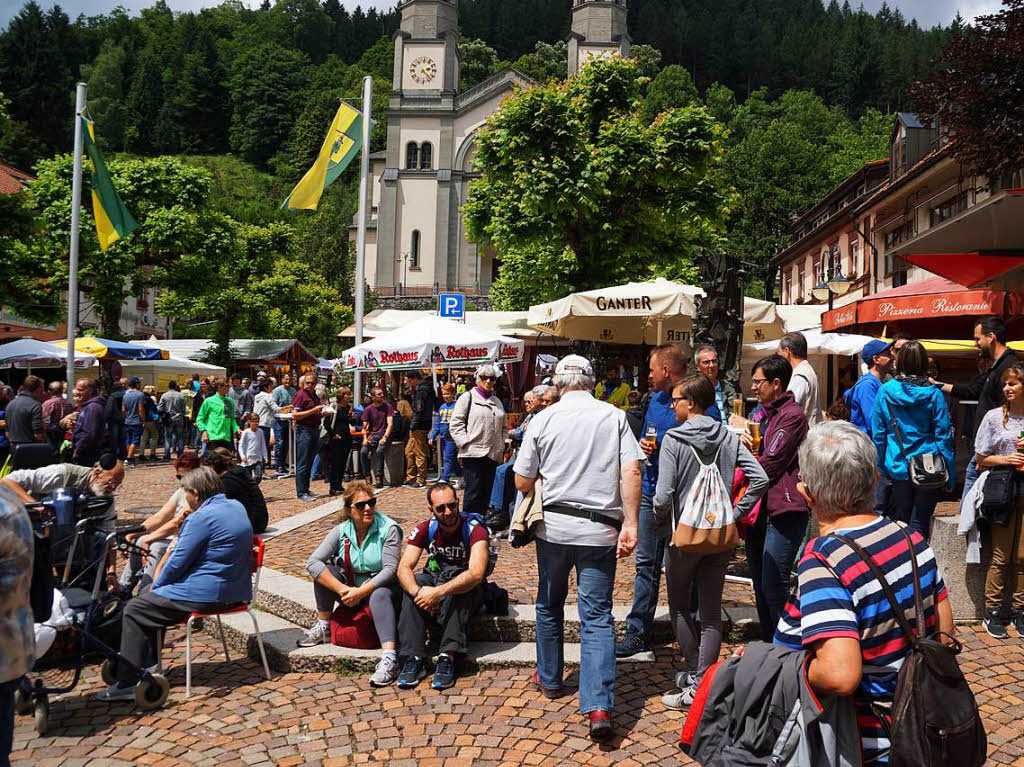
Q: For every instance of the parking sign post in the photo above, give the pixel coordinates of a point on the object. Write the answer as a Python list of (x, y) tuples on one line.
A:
[(452, 306)]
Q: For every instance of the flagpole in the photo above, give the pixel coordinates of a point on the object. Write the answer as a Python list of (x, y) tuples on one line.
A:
[(364, 175), (76, 209)]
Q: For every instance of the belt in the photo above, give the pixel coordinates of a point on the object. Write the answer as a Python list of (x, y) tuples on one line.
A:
[(593, 516)]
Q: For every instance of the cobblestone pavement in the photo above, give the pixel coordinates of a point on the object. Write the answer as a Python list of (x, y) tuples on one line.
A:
[(235, 717), (516, 569)]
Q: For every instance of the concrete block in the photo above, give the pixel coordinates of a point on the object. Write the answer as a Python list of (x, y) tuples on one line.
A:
[(965, 583)]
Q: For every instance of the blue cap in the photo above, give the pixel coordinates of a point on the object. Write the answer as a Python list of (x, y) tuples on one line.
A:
[(871, 348)]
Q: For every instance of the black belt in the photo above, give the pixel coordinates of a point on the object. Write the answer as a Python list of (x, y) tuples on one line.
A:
[(593, 516)]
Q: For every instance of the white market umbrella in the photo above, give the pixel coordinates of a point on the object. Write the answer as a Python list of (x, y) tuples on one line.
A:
[(432, 342), (818, 342), (30, 353), (641, 313)]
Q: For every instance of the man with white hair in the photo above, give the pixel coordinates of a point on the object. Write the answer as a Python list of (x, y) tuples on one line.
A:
[(34, 484), (590, 464)]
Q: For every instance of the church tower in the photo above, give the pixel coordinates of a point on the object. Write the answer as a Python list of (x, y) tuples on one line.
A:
[(599, 29)]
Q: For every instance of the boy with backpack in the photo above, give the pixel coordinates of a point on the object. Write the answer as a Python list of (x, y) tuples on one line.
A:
[(448, 591)]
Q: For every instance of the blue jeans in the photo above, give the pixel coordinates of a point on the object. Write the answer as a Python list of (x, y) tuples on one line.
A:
[(451, 455), (970, 476), (913, 506), (173, 437), (305, 448), (376, 446), (318, 466), (772, 546), (280, 445), (502, 489), (595, 576), (650, 556)]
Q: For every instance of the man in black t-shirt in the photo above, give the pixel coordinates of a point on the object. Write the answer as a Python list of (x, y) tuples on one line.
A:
[(449, 590)]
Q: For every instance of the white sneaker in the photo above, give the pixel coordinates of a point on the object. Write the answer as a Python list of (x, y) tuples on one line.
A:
[(386, 672), (685, 679), (316, 635), (679, 700)]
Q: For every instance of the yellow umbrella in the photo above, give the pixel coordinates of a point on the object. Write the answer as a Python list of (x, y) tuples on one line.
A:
[(115, 350), (954, 346)]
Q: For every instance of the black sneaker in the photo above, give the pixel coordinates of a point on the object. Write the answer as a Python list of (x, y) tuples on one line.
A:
[(994, 625), (630, 646), (1018, 623), (413, 670), (444, 672)]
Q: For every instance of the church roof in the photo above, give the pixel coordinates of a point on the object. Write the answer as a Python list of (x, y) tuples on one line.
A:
[(492, 86)]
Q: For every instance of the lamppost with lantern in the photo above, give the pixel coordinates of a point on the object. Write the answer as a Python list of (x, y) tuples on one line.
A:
[(834, 284)]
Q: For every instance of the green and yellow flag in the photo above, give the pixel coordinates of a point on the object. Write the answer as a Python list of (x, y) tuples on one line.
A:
[(113, 221), (343, 142)]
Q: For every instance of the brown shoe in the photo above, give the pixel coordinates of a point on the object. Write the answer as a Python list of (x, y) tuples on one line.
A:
[(551, 693), (600, 726)]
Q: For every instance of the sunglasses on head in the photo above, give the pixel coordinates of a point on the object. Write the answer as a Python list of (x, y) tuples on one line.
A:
[(452, 506), (371, 503)]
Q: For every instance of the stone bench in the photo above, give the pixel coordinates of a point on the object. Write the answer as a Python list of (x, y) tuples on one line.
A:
[(965, 583)]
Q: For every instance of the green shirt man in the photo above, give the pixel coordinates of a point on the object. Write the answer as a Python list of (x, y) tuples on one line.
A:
[(216, 419)]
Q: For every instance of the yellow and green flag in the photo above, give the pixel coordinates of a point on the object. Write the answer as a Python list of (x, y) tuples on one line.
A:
[(113, 221), (344, 139)]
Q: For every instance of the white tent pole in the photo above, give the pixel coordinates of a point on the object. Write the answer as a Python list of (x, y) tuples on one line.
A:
[(76, 211), (364, 174)]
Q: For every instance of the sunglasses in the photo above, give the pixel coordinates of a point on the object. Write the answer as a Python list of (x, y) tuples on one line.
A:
[(453, 506), (370, 503), (487, 378)]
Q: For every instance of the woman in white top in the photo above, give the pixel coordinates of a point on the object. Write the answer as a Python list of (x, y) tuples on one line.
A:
[(477, 427), (265, 407)]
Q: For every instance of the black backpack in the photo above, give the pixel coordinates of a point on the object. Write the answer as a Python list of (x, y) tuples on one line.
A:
[(934, 718)]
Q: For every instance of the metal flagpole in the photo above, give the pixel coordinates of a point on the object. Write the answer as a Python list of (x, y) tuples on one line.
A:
[(364, 176), (76, 208)]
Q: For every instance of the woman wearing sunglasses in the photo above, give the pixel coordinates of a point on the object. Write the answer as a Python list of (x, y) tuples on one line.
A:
[(477, 427), (365, 545)]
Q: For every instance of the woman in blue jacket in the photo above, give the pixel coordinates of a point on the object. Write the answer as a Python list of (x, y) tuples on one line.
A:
[(909, 410)]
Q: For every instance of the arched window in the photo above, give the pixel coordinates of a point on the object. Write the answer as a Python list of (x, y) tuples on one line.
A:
[(426, 155), (414, 259), (412, 156)]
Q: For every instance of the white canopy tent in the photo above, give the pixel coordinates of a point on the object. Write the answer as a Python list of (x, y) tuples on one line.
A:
[(28, 353), (432, 342), (818, 343), (641, 313), (158, 372)]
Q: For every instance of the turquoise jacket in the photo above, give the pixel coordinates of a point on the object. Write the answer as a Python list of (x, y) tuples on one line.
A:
[(920, 412), (368, 559)]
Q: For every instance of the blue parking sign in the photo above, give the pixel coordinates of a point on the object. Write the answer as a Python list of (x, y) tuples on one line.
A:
[(452, 306)]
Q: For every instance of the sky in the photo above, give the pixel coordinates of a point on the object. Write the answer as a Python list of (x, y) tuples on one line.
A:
[(927, 12)]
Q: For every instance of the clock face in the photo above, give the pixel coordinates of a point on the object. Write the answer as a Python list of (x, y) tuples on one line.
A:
[(423, 70)]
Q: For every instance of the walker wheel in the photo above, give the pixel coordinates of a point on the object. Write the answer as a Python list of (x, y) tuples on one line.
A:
[(22, 701), (42, 714), (109, 671), (152, 693)]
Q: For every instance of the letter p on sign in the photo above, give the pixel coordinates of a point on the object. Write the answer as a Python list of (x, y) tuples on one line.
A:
[(452, 306)]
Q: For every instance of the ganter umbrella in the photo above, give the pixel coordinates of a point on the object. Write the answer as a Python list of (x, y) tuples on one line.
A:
[(642, 313), (432, 342)]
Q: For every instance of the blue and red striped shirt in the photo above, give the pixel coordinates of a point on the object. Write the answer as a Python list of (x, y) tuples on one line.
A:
[(838, 596)]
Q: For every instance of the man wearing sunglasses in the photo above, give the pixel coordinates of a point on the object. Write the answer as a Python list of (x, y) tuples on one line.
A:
[(448, 591)]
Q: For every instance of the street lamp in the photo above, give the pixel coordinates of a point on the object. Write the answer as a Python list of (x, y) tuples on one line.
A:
[(836, 284)]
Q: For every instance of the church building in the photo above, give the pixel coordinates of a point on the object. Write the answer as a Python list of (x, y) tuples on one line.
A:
[(415, 241)]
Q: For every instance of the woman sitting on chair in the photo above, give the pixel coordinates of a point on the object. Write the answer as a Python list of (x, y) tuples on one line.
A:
[(209, 569), (373, 543)]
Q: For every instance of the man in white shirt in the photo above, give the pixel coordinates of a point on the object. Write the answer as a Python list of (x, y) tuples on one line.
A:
[(804, 383), (589, 461)]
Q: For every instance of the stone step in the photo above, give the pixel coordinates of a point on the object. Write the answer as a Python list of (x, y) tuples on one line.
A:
[(291, 598), (280, 636)]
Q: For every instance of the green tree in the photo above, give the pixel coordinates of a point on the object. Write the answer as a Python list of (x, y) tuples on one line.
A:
[(477, 62), (647, 58), (266, 88), (145, 100), (546, 62), (671, 88), (532, 276), (105, 79), (574, 165)]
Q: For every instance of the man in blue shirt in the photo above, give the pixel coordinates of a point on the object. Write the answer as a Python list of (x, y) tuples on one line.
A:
[(668, 363), (133, 408), (860, 398)]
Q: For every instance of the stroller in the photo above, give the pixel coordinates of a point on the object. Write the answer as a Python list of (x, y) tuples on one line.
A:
[(79, 616)]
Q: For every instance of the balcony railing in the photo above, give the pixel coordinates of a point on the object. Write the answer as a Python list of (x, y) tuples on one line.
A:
[(390, 291)]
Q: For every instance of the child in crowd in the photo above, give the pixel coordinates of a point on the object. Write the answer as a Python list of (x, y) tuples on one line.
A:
[(440, 431), (252, 448)]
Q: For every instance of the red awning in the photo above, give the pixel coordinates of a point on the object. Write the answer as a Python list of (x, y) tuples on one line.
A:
[(971, 269), (930, 302)]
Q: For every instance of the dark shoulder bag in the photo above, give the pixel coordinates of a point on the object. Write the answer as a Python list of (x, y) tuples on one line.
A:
[(927, 471), (934, 719)]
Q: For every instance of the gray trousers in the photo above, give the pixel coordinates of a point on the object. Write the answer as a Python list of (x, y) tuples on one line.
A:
[(382, 606), (681, 569), (135, 564)]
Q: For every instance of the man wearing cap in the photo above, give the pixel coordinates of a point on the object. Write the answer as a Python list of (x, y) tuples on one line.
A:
[(860, 398), (423, 404), (133, 406), (612, 389), (590, 464)]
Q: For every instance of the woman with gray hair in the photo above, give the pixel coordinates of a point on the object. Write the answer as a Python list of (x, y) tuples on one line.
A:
[(840, 614), (478, 428)]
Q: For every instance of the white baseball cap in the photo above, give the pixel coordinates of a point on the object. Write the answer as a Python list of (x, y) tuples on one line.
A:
[(574, 363)]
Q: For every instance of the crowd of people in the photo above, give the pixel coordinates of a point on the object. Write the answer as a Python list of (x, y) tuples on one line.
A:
[(595, 473)]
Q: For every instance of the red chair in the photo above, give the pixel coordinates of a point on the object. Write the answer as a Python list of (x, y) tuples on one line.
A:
[(257, 546)]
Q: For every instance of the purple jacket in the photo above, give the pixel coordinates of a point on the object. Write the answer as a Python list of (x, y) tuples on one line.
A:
[(87, 438), (783, 429)]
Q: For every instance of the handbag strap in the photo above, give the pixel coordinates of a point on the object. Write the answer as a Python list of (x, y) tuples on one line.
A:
[(899, 440), (898, 612), (349, 573)]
